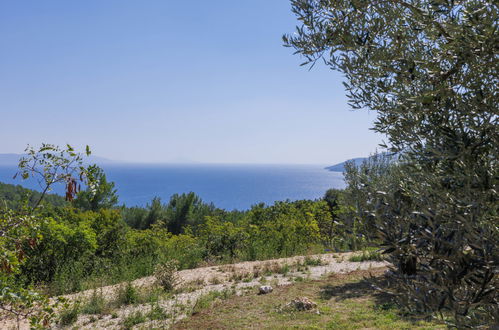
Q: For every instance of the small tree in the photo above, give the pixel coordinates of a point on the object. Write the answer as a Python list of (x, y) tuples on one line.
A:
[(166, 275), (49, 165), (101, 195)]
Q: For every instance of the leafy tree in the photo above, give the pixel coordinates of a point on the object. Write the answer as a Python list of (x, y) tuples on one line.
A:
[(429, 69), (20, 229), (281, 230), (155, 214), (186, 210), (332, 198), (135, 216), (51, 165), (221, 238), (144, 218), (101, 195)]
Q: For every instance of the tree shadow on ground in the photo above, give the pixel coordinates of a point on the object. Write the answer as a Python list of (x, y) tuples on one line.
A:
[(357, 289), (369, 286)]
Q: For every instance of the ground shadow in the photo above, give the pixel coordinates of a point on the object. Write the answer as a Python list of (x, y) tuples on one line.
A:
[(366, 286), (369, 286)]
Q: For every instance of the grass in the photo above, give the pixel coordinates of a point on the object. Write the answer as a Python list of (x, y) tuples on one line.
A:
[(284, 269), (156, 313), (367, 255), (127, 295), (309, 261), (96, 304), (344, 301), (207, 300), (134, 319), (69, 314), (73, 277)]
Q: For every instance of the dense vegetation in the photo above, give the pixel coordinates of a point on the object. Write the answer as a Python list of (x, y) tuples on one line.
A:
[(79, 248), (14, 196)]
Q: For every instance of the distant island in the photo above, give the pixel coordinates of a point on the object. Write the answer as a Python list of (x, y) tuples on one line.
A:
[(11, 159), (340, 167)]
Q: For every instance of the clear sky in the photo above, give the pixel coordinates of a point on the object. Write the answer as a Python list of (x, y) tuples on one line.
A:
[(164, 80)]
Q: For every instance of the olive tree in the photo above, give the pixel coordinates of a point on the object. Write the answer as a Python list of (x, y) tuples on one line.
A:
[(429, 70)]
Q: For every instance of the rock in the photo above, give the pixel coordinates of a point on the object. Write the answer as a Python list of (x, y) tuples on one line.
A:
[(264, 289), (388, 272), (302, 304)]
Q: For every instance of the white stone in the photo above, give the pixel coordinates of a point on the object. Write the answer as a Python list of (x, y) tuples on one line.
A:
[(264, 289)]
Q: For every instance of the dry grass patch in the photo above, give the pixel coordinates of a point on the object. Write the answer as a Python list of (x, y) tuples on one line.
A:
[(344, 301)]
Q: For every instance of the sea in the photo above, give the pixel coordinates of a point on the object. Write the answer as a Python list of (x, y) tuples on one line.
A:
[(227, 186)]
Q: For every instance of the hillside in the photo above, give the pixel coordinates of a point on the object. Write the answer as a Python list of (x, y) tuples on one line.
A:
[(340, 167), (216, 295), (14, 195)]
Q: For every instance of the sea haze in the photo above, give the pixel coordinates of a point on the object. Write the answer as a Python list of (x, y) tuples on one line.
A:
[(227, 186)]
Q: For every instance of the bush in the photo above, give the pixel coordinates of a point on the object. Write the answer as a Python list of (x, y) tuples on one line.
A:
[(185, 249), (156, 313), (69, 314), (127, 295), (166, 275), (281, 230), (367, 256), (133, 319), (95, 305), (309, 261)]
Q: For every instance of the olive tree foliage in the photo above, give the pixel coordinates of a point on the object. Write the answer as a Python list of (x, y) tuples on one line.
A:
[(20, 229), (430, 71), (375, 173)]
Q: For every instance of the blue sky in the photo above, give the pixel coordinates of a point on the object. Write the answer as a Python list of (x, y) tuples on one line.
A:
[(161, 81)]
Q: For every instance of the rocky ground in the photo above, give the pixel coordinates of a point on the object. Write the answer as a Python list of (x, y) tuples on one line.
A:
[(194, 285)]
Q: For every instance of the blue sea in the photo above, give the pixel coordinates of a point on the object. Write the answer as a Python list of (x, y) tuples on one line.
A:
[(227, 186)]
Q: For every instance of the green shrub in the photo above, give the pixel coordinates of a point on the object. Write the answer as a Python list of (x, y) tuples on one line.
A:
[(69, 314), (127, 295), (186, 249), (156, 313), (166, 275), (309, 261), (284, 269), (367, 256), (133, 319), (96, 304)]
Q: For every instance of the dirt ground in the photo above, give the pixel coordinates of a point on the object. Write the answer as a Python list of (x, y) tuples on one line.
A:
[(241, 278)]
